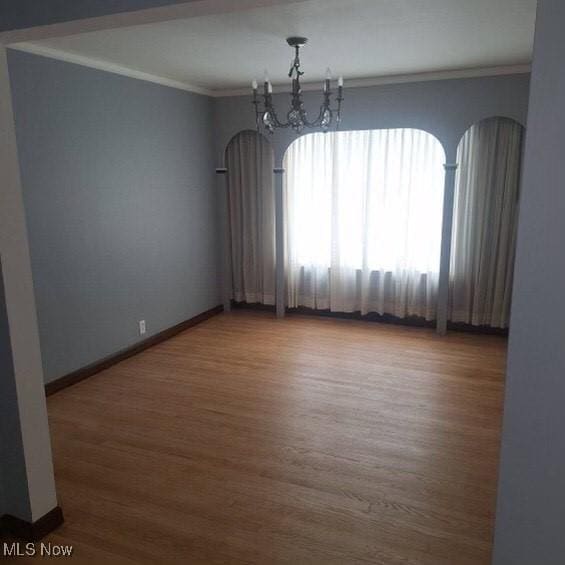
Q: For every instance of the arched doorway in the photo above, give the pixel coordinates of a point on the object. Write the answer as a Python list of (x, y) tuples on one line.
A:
[(250, 160), (485, 223)]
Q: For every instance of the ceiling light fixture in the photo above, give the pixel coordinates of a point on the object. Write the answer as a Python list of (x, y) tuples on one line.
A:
[(296, 117)]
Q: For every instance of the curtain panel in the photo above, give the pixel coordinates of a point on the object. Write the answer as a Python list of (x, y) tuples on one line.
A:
[(364, 215), (485, 223), (251, 210)]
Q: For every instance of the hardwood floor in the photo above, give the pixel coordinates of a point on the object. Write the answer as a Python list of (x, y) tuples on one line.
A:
[(249, 439)]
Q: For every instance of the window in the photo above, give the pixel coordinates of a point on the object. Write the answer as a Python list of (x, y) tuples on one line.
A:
[(374, 197), (364, 221)]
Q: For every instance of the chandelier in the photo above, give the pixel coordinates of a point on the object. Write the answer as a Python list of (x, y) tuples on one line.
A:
[(296, 117)]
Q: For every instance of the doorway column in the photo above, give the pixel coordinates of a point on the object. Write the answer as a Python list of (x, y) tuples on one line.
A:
[(279, 238), (26, 469), (225, 246), (531, 480), (446, 233)]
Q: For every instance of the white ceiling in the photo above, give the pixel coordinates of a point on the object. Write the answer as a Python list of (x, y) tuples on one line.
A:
[(356, 38)]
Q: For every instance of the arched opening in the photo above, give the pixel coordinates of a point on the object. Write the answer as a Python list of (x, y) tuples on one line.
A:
[(364, 216), (249, 160), (485, 223)]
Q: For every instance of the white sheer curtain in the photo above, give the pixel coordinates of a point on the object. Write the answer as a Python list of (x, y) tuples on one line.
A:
[(251, 207), (364, 213), (485, 223)]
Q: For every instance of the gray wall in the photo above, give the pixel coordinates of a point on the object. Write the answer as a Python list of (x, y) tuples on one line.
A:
[(445, 108), (531, 501), (119, 193), (14, 497), (15, 14)]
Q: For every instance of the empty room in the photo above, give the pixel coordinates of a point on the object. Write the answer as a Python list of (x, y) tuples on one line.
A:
[(281, 281)]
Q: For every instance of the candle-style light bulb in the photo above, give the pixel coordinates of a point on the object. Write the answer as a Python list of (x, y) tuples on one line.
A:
[(340, 82), (254, 84), (269, 87)]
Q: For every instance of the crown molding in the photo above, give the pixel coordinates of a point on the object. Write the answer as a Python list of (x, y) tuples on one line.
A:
[(395, 79), (44, 51)]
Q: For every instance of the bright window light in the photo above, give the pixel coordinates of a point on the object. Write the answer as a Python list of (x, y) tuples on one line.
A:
[(366, 200)]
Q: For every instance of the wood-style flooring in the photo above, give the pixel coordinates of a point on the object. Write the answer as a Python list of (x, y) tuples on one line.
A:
[(306, 440)]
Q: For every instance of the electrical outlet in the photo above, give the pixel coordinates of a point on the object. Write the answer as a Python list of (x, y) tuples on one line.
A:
[(142, 328)]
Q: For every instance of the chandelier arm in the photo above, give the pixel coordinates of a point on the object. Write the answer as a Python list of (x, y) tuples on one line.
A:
[(278, 123), (268, 107), (318, 121), (313, 124)]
